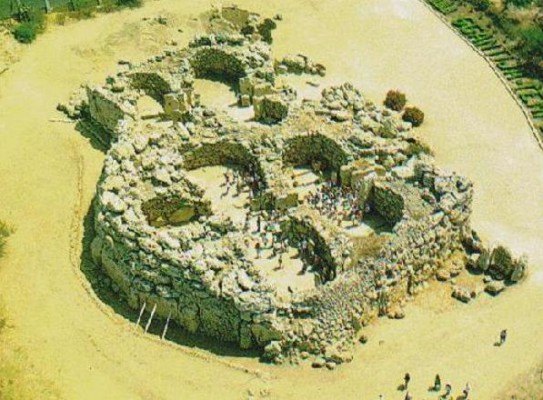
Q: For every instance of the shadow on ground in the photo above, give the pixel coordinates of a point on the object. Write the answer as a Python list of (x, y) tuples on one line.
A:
[(176, 334)]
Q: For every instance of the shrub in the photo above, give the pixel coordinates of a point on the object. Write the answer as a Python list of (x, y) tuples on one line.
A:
[(129, 3), (531, 43), (480, 5), (265, 30), (413, 115), (519, 3), (395, 100), (60, 19), (26, 32), (248, 30), (4, 233), (417, 148)]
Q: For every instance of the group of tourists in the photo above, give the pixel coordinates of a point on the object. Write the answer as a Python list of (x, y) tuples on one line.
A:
[(338, 203), (436, 387), (237, 179)]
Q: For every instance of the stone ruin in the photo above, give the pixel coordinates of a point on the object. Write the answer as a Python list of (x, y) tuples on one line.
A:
[(159, 240)]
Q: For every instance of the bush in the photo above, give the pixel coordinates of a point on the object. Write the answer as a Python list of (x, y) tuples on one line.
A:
[(26, 32), (413, 115), (519, 3), (4, 233), (60, 19), (265, 30), (417, 148), (480, 5), (129, 3), (531, 43), (248, 30), (395, 100)]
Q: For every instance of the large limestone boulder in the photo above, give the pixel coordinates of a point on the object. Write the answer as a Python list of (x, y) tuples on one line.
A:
[(519, 268), (501, 263)]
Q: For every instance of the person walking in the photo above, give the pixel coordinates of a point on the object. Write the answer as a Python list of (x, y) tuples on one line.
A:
[(448, 390), (466, 391), (280, 260), (406, 380), (503, 336)]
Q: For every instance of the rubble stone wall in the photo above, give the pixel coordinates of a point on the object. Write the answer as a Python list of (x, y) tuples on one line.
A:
[(307, 149), (104, 109), (152, 84), (213, 63), (388, 203), (222, 152)]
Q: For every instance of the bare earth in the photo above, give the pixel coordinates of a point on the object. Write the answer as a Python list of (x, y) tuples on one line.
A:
[(62, 342)]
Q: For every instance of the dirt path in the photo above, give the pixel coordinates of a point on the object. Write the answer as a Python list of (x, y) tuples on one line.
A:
[(64, 343)]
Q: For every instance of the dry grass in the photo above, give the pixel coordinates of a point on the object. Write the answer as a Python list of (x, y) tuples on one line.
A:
[(367, 247), (528, 386), (5, 231)]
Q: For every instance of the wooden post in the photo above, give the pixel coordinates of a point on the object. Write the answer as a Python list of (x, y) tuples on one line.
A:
[(166, 326), (150, 318), (141, 313)]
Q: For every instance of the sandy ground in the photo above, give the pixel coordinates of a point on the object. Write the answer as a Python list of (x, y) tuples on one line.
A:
[(10, 50), (61, 342)]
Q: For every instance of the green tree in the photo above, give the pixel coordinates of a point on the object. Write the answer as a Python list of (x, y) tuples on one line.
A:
[(530, 49)]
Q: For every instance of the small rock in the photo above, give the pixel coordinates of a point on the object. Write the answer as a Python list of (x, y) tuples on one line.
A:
[(318, 362), (443, 275), (494, 288), (461, 293), (331, 365), (340, 116)]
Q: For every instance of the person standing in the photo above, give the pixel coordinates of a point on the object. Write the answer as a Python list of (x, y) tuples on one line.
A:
[(437, 383), (258, 248)]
